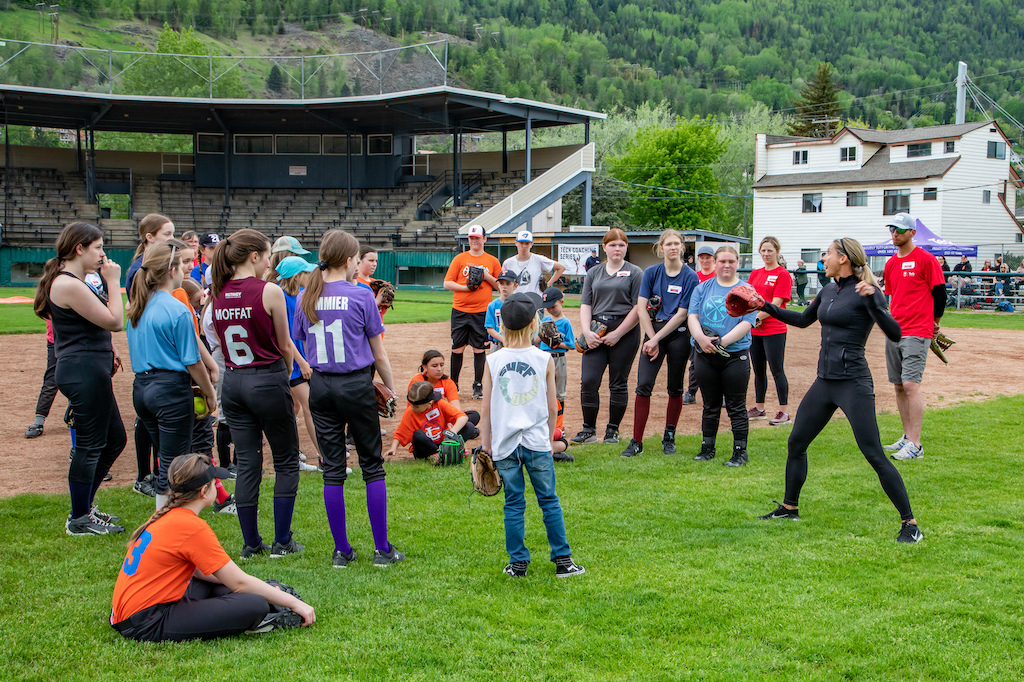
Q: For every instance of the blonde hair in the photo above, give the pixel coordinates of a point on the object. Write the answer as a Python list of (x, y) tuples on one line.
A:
[(191, 288), (854, 252), (157, 263), (520, 338), (336, 248), (151, 224), (181, 470), (659, 248), (291, 285), (726, 249), (770, 240)]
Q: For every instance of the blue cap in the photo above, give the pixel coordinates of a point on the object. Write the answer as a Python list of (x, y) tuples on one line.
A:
[(289, 244), (293, 265)]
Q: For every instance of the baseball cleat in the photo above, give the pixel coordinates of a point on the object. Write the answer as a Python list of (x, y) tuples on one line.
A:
[(909, 533), (385, 559), (291, 547), (781, 512), (634, 448), (342, 560)]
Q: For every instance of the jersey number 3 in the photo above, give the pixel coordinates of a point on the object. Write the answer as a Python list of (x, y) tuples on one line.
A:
[(238, 350), (320, 332), (132, 561)]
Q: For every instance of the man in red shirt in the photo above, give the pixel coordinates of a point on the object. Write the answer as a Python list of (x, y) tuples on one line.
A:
[(917, 287)]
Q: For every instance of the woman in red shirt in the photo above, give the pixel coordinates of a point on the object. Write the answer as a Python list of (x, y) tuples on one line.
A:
[(768, 345), (177, 583)]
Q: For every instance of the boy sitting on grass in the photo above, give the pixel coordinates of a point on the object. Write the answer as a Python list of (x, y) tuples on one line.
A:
[(518, 420), (425, 421), (508, 282)]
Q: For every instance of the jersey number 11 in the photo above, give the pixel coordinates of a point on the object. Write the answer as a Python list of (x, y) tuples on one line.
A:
[(320, 332)]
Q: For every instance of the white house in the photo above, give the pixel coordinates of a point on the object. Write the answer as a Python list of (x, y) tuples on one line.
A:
[(956, 179)]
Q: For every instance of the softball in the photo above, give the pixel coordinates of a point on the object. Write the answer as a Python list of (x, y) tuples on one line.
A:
[(199, 403)]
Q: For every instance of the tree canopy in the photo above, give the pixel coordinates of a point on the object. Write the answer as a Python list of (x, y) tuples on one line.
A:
[(817, 108)]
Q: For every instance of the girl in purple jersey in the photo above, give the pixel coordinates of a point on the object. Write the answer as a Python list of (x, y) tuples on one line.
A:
[(250, 319), (341, 329)]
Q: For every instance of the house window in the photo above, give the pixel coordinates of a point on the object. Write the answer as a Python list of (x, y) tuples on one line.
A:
[(896, 201), (931, 193), (848, 154), (856, 198), (298, 144), (986, 196), (950, 146), (997, 150), (338, 144), (210, 144), (254, 144), (378, 145), (919, 149), (799, 157), (812, 203)]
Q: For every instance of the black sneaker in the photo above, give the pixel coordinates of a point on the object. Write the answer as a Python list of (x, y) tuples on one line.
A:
[(707, 453), (689, 399), (249, 552), (478, 391), (232, 470), (516, 569), (565, 567), (781, 512), (279, 618), (108, 477), (342, 560), (738, 459), (97, 515), (383, 560), (587, 435), (89, 525), (634, 448), (611, 435), (144, 486), (668, 441), (563, 456), (290, 547), (34, 431), (226, 507), (909, 533), (284, 588)]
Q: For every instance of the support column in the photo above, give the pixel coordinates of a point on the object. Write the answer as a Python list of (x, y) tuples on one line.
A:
[(348, 162), (457, 165), (504, 152), (586, 133), (227, 169), (529, 159), (7, 182), (78, 155), (90, 169), (585, 201)]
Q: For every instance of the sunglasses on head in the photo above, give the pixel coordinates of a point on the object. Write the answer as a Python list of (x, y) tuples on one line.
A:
[(899, 230)]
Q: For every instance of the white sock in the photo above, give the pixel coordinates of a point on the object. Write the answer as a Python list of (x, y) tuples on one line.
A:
[(161, 500)]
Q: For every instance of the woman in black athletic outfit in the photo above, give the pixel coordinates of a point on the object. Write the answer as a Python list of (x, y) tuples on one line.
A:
[(86, 360), (847, 309)]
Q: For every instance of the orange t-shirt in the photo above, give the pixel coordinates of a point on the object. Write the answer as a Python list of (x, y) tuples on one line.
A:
[(180, 294), (363, 280), (159, 565), (432, 422), (472, 301), (451, 392)]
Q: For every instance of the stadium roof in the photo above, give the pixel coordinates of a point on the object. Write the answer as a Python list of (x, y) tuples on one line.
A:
[(428, 111)]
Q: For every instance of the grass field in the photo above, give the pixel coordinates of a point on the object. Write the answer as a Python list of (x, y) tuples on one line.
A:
[(682, 581)]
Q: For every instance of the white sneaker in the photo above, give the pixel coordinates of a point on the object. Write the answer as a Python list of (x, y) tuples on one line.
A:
[(302, 457), (898, 445), (307, 467), (909, 451), (383, 432)]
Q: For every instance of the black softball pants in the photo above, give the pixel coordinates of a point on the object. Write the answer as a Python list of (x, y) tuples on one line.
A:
[(206, 611), (257, 401), (720, 377), (163, 402), (48, 391), (84, 378), (337, 400), (676, 349), (856, 398), (470, 430), (618, 360), (770, 350)]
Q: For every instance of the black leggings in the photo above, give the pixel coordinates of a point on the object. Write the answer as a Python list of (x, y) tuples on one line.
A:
[(675, 347), (773, 350), (207, 611), (618, 360), (340, 400), (49, 389), (470, 431), (422, 445), (720, 377), (856, 398)]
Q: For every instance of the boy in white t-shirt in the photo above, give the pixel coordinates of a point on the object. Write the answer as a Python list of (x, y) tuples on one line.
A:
[(517, 425)]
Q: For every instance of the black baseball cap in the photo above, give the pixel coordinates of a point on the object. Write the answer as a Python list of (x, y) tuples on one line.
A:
[(551, 296), (517, 311), (202, 479), (209, 239), (508, 276)]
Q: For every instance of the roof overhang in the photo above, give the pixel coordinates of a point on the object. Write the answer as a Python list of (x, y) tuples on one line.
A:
[(427, 111)]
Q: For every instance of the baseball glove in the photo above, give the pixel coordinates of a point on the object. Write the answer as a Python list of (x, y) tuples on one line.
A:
[(549, 333), (653, 305), (716, 339), (485, 477), (385, 400), (941, 343), (387, 299), (451, 452), (598, 328), (743, 299), (475, 277)]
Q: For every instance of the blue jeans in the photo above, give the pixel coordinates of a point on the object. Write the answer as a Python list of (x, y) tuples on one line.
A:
[(541, 468)]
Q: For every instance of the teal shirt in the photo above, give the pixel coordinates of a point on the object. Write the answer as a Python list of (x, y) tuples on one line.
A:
[(165, 337)]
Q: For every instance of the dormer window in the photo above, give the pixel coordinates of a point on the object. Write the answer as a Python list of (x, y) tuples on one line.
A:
[(800, 157), (848, 154), (919, 149), (950, 146)]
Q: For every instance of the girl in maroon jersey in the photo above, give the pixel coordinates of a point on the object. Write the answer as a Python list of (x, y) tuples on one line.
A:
[(251, 320)]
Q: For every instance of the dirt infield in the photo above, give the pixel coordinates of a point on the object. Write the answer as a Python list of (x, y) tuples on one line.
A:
[(40, 465)]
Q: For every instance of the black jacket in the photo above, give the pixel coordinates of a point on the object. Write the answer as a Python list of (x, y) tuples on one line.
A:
[(846, 319)]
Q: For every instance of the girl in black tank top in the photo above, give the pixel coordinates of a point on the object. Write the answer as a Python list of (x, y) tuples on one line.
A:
[(86, 361)]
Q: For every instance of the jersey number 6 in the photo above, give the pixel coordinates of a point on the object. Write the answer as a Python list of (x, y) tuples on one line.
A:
[(338, 342), (238, 351)]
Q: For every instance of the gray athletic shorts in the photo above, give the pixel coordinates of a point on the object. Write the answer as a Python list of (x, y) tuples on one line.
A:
[(905, 360)]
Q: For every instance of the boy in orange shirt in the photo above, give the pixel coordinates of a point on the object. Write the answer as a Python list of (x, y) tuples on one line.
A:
[(469, 307), (425, 421)]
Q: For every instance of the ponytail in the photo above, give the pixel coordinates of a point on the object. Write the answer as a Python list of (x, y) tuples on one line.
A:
[(183, 469), (151, 224), (156, 265), (232, 252), (70, 238), (852, 249), (336, 248)]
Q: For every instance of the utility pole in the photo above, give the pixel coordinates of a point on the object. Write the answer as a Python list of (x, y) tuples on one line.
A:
[(961, 92), (54, 23)]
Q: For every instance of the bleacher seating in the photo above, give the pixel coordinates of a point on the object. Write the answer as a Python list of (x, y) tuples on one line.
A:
[(40, 201)]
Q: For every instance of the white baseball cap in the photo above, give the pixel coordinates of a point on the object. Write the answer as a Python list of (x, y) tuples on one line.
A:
[(524, 236), (902, 222), (476, 230)]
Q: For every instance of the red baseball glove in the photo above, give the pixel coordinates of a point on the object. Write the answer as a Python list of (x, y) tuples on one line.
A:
[(743, 299)]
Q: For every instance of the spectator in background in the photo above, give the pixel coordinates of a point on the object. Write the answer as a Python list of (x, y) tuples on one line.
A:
[(1003, 285), (201, 273), (823, 279), (943, 263), (800, 275), (593, 260), (963, 266), (191, 238)]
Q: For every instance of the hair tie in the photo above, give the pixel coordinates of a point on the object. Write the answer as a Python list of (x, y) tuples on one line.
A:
[(143, 268), (227, 241), (322, 265)]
